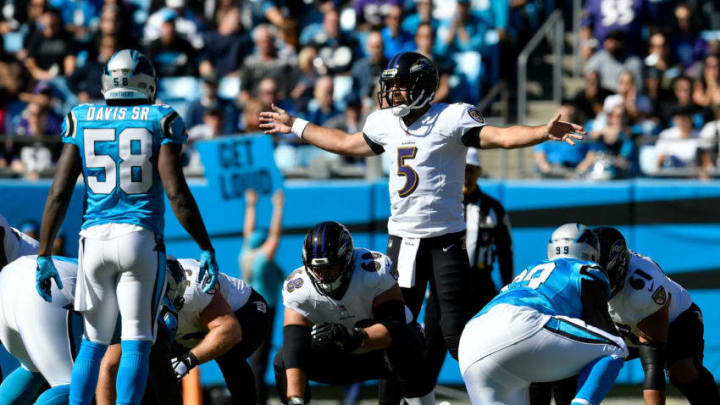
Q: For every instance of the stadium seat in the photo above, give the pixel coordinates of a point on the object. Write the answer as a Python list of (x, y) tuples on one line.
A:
[(12, 41), (178, 88), (229, 87), (342, 86)]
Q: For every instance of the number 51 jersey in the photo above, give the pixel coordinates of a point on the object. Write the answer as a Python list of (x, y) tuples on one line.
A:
[(119, 147)]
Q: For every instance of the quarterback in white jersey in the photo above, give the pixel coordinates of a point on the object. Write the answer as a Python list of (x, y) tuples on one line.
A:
[(344, 307), (427, 143), (227, 325), (14, 243), (657, 316)]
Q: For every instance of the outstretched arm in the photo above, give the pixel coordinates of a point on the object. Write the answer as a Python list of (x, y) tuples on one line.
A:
[(519, 136), (331, 140), (68, 169)]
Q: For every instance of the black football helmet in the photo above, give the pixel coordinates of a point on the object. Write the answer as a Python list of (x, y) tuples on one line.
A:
[(415, 73), (328, 257), (614, 256)]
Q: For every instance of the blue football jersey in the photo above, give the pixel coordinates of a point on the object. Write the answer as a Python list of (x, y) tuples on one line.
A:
[(119, 147), (553, 287)]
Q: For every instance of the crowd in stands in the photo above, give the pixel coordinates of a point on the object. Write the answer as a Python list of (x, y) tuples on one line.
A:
[(221, 62), (651, 97)]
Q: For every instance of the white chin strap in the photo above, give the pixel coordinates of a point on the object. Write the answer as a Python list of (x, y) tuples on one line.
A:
[(404, 109)]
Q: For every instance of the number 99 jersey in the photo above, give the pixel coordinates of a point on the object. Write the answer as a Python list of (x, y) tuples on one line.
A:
[(119, 147), (552, 287)]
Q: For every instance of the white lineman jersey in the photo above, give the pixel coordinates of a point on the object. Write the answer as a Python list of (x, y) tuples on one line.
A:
[(646, 290), (371, 276), (427, 167), (235, 291), (37, 333), (15, 243)]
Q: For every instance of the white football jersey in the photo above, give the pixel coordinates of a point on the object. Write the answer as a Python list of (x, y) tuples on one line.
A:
[(645, 291), (190, 330), (371, 276), (18, 279), (427, 167)]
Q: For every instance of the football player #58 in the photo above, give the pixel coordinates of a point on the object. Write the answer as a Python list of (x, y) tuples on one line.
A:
[(427, 142), (345, 322), (127, 151), (657, 317), (553, 314)]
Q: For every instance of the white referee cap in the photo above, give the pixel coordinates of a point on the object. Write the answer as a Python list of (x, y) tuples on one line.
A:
[(472, 157)]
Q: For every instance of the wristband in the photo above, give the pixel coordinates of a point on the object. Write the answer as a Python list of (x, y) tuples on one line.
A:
[(299, 126)]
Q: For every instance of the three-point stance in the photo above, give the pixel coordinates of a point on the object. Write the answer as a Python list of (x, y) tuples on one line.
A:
[(345, 322), (127, 151)]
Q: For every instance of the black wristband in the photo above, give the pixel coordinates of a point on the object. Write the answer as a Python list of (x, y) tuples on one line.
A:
[(355, 340), (193, 361)]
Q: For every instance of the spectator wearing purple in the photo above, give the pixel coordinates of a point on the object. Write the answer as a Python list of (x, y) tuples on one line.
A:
[(602, 17), (209, 100), (372, 13), (265, 62), (366, 71), (685, 41), (395, 39), (51, 52), (170, 54), (32, 156), (612, 60), (226, 48)]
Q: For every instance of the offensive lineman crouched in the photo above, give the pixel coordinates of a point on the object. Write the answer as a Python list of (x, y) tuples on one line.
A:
[(345, 322), (657, 316)]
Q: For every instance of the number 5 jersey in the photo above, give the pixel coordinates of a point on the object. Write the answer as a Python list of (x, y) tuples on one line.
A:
[(427, 167), (119, 148)]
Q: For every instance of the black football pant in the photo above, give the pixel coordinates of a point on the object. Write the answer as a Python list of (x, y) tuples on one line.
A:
[(442, 261), (400, 362), (483, 290), (260, 359)]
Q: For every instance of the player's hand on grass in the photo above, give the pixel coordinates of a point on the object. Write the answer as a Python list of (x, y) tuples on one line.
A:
[(208, 274), (45, 271), (276, 121), (564, 131), (330, 334), (182, 364)]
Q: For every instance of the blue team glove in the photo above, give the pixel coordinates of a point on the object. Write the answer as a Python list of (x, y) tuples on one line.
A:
[(207, 263), (45, 271)]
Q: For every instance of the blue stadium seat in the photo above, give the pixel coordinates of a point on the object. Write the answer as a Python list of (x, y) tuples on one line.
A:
[(179, 88), (229, 87), (12, 41)]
